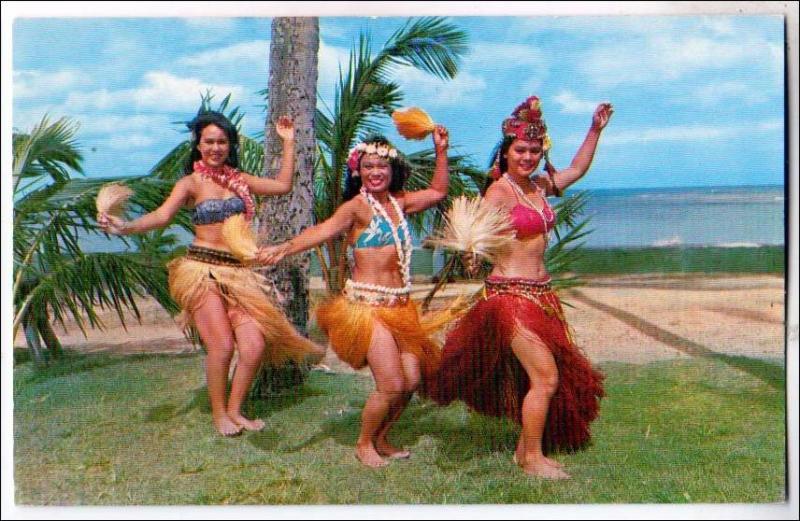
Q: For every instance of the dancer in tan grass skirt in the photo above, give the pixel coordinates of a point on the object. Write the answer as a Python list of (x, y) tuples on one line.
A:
[(226, 301)]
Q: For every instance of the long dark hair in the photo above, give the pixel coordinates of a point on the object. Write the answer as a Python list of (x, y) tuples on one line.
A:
[(197, 125), (498, 155), (400, 170)]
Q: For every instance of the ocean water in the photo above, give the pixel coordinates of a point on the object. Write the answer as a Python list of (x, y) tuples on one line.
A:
[(639, 217), (710, 216)]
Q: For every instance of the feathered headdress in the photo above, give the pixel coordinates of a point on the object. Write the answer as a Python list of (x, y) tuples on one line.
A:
[(472, 227), (413, 123)]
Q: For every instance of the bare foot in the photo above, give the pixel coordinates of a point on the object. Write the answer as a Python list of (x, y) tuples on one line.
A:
[(388, 450), (553, 463), (520, 460), (248, 425), (541, 469), (367, 455), (226, 426)]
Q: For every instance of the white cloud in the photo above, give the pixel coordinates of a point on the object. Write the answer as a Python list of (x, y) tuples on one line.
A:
[(241, 54), (603, 26), (161, 90), (419, 86), (656, 58), (329, 59), (210, 23), (111, 124), (771, 124), (492, 56), (727, 91), (719, 26), (572, 105), (27, 118), (683, 133), (129, 141), (39, 84)]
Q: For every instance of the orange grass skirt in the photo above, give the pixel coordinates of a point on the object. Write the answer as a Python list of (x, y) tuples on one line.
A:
[(349, 325)]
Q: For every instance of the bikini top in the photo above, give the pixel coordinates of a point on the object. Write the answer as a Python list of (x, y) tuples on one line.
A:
[(378, 233), (213, 211), (529, 222)]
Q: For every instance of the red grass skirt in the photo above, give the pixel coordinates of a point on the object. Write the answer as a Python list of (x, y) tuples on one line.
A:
[(479, 367)]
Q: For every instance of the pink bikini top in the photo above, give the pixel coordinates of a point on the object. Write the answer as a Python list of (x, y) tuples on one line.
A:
[(529, 222)]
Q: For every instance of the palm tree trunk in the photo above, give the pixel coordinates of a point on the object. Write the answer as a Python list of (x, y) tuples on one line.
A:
[(34, 341), (54, 348), (293, 92)]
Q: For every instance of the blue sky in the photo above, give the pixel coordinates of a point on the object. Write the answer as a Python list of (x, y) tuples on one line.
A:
[(699, 100)]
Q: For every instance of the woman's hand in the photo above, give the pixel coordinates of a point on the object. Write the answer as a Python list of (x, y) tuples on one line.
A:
[(601, 115), (285, 128), (441, 138), (269, 255), (112, 224), (472, 263)]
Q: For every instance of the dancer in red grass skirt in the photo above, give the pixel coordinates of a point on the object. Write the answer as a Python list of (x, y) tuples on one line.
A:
[(512, 354)]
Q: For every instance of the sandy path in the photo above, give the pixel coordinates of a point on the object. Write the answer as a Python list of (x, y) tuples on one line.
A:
[(634, 318)]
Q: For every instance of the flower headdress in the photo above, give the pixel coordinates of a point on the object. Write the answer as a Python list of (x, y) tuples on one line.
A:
[(381, 149), (526, 123)]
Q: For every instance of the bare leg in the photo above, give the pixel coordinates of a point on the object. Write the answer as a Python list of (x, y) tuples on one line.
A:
[(384, 362), (250, 342), (411, 374), (214, 327), (542, 371)]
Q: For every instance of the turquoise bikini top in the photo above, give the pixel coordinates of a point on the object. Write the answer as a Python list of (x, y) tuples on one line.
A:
[(378, 233)]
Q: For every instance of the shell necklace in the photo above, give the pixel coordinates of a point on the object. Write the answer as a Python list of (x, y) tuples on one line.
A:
[(403, 247), (524, 197)]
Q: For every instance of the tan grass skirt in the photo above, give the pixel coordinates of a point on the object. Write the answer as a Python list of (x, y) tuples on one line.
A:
[(246, 295)]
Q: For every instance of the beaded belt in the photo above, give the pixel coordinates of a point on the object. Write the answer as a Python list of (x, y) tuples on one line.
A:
[(522, 287), (538, 292), (211, 256), (375, 295)]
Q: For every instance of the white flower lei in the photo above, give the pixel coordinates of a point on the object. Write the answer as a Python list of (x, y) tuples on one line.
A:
[(403, 248)]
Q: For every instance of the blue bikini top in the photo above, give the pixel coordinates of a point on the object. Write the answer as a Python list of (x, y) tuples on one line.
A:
[(213, 211), (378, 233)]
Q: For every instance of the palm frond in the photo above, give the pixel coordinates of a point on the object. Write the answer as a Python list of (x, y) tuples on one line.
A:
[(569, 234), (430, 44), (365, 95), (47, 154), (78, 285)]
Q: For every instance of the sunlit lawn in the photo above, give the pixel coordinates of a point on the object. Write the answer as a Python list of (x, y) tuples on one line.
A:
[(101, 429)]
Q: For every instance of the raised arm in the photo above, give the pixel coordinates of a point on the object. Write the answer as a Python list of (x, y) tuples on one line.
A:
[(158, 218), (282, 184), (338, 223), (583, 157), (423, 199)]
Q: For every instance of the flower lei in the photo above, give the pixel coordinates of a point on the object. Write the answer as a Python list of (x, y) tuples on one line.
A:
[(383, 150), (230, 178), (403, 249)]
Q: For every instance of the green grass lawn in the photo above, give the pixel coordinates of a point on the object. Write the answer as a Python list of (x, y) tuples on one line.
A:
[(103, 430), (765, 259)]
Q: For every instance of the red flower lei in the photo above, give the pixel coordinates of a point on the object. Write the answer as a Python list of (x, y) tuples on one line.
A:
[(231, 179)]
